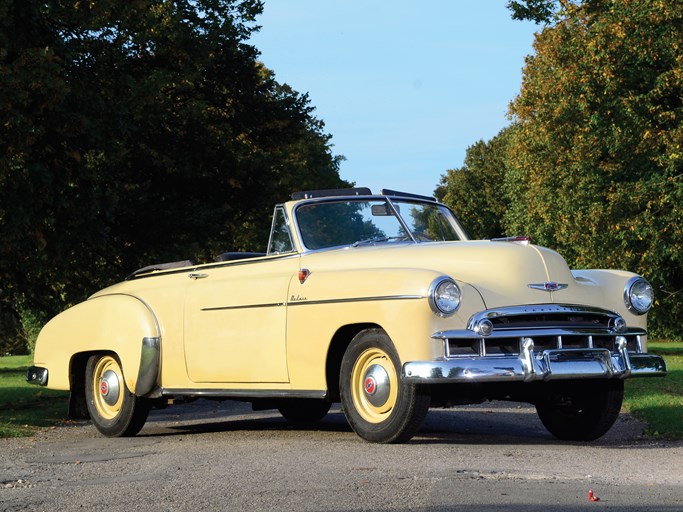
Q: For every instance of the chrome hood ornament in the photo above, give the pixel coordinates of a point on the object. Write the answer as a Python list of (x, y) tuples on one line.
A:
[(548, 286)]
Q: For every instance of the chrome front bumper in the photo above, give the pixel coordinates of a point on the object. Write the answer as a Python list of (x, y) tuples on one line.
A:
[(529, 365)]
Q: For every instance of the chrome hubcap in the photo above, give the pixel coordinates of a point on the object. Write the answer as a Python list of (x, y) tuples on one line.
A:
[(376, 385), (109, 387)]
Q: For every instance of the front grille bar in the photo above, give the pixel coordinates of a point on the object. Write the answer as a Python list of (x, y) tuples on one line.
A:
[(468, 344)]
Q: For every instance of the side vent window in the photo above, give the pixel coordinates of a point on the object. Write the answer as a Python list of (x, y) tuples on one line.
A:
[(280, 239)]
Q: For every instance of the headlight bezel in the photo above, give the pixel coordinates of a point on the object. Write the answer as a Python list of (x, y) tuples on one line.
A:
[(438, 297), (634, 290)]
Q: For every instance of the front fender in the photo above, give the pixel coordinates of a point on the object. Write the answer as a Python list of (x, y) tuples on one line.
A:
[(116, 323), (395, 299), (604, 288)]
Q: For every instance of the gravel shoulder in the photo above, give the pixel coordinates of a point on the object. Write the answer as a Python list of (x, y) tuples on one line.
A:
[(222, 456)]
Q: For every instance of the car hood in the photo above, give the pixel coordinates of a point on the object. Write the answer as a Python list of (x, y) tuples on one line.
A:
[(511, 273), (504, 273)]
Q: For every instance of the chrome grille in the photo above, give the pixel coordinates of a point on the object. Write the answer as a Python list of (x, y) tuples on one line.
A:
[(550, 326), (511, 346)]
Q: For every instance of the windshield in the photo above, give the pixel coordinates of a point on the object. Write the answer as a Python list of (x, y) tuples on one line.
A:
[(361, 222)]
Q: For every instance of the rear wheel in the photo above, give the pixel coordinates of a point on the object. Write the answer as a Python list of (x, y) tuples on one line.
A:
[(113, 409), (378, 405), (581, 411)]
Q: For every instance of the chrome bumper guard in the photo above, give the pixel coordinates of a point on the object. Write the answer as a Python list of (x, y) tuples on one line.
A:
[(553, 364), (37, 375)]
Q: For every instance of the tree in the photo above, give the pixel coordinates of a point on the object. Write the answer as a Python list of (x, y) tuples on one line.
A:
[(595, 165), (538, 11), (475, 192), (136, 132)]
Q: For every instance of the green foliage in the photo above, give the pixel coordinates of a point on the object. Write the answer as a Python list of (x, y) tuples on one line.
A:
[(593, 162), (659, 401), (12, 341), (597, 145), (31, 322), (474, 191), (24, 407), (137, 132), (19, 330), (538, 11)]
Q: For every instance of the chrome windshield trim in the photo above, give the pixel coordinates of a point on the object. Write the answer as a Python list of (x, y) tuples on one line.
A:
[(401, 220), (328, 199), (460, 230)]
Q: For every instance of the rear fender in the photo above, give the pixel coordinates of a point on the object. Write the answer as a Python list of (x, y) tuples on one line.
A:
[(122, 324)]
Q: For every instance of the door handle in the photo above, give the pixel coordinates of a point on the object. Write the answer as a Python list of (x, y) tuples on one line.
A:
[(196, 276)]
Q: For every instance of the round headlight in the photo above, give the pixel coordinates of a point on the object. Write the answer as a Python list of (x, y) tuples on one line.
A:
[(444, 296), (638, 296)]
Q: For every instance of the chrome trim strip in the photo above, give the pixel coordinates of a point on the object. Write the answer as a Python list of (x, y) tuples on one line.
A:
[(249, 306), (316, 302), (530, 366), (541, 331), (355, 299), (246, 393), (150, 363), (535, 309), (37, 375), (218, 264)]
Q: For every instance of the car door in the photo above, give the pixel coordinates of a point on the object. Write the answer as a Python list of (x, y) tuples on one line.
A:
[(235, 321)]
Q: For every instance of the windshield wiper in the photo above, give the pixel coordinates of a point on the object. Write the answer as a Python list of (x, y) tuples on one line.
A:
[(378, 239)]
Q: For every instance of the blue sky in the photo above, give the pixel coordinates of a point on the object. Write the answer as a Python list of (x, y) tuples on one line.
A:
[(403, 87)]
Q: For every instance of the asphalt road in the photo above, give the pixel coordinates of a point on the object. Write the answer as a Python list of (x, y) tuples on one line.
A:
[(221, 456)]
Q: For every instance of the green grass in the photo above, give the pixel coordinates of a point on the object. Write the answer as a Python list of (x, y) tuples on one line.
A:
[(659, 401), (25, 408)]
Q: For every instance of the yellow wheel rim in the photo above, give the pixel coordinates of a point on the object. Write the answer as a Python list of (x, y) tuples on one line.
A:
[(374, 385), (108, 387)]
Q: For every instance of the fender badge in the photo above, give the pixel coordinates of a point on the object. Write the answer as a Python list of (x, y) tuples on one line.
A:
[(303, 275), (548, 286)]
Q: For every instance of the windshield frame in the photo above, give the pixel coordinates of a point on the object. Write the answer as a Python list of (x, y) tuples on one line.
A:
[(391, 202)]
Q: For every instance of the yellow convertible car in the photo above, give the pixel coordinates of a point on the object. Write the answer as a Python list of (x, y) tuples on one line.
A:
[(378, 301)]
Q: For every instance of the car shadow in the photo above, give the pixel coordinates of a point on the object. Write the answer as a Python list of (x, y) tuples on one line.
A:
[(486, 424)]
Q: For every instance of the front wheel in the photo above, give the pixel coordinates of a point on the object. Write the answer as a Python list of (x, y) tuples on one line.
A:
[(113, 409), (378, 405), (581, 410)]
